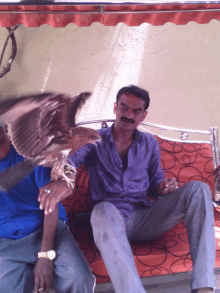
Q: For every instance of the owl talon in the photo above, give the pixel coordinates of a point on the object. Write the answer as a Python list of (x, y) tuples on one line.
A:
[(70, 169), (69, 182)]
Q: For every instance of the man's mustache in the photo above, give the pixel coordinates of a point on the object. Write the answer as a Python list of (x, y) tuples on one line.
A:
[(124, 119)]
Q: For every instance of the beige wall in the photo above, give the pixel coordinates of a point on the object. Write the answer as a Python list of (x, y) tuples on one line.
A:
[(179, 65)]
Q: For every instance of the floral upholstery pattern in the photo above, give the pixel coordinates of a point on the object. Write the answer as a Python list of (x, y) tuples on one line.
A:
[(170, 253)]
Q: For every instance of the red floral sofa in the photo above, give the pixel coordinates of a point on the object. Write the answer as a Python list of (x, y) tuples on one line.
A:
[(170, 253)]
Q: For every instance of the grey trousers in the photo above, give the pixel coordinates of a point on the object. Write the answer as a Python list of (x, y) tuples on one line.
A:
[(18, 257), (112, 233)]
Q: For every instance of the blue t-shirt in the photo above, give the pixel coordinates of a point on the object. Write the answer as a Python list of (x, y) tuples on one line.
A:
[(20, 214)]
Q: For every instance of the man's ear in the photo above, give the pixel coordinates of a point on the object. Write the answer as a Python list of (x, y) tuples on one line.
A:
[(144, 115), (115, 107)]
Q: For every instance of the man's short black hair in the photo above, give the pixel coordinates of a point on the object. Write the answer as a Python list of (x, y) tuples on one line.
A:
[(135, 91)]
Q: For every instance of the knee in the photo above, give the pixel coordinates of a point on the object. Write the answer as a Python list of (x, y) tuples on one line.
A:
[(199, 185), (76, 279), (84, 280), (200, 190), (106, 222), (102, 213)]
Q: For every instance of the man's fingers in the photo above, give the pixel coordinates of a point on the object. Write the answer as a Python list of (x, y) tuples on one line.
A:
[(170, 185), (171, 180), (47, 204), (50, 283), (46, 196), (36, 283), (46, 285), (40, 195), (57, 196), (41, 192), (173, 184), (42, 285), (52, 204), (58, 191), (47, 193), (43, 199), (51, 201), (47, 208)]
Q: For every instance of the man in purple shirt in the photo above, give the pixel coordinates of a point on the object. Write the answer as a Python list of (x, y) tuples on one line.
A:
[(123, 169)]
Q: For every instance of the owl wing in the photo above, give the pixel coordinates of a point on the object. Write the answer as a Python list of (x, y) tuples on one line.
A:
[(29, 120)]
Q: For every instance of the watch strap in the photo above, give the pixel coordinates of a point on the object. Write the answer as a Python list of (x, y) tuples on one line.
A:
[(42, 254)]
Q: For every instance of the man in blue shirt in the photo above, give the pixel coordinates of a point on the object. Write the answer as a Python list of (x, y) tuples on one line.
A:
[(122, 170), (37, 252)]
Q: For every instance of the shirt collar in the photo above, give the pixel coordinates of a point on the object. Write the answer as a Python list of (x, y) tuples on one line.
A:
[(110, 133)]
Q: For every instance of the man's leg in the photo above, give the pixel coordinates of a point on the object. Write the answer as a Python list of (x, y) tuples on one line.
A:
[(18, 258), (191, 202), (16, 268), (72, 273), (110, 237), (15, 277)]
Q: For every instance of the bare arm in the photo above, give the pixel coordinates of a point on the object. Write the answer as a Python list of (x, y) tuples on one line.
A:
[(43, 271), (50, 228)]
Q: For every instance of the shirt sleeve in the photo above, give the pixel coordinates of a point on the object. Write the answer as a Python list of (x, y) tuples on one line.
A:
[(80, 157), (156, 173)]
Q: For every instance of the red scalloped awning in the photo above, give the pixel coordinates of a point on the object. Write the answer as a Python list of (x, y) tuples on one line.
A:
[(107, 14)]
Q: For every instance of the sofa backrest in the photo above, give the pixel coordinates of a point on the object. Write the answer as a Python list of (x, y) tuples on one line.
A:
[(187, 162)]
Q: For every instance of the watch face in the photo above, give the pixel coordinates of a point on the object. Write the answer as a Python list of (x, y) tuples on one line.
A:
[(51, 254)]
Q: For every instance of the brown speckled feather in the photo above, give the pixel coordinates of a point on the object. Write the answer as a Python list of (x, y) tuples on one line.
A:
[(31, 121), (24, 117)]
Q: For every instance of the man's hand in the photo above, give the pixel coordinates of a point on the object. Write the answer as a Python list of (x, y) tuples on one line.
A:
[(58, 191), (43, 275), (167, 185)]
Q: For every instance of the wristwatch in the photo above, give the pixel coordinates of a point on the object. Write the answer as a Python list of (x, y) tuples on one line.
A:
[(51, 254)]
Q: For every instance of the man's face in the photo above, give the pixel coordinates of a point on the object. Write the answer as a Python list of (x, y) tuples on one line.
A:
[(129, 112)]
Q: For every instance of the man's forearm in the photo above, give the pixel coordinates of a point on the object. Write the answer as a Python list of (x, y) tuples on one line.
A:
[(49, 230)]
